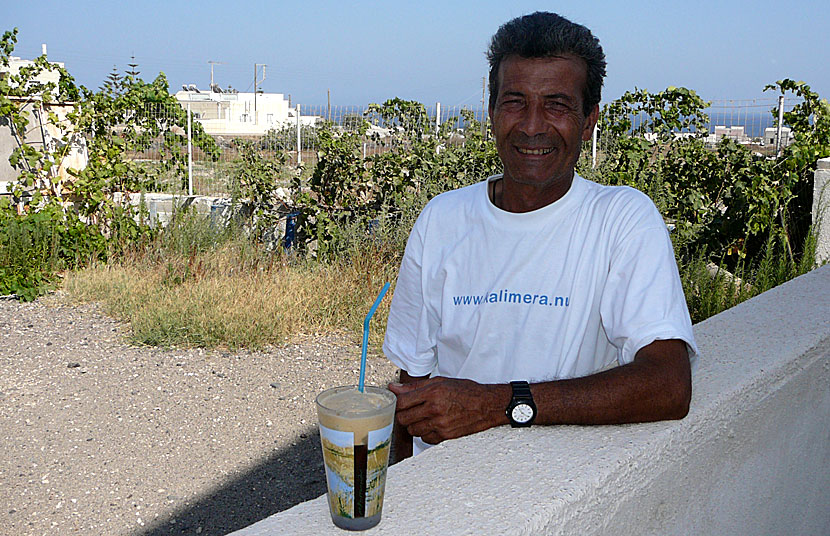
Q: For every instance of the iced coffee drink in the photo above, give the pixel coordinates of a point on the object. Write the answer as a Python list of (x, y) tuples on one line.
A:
[(356, 434)]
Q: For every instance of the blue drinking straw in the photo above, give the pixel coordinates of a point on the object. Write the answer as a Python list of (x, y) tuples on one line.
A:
[(366, 335)]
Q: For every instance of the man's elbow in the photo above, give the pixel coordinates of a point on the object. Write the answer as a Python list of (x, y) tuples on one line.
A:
[(672, 377), (679, 400)]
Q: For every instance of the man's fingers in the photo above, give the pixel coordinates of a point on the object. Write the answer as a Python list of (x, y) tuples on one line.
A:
[(411, 394), (434, 431), (421, 403), (412, 414), (400, 388), (408, 400), (431, 438)]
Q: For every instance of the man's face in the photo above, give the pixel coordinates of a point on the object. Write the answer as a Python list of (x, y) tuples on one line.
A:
[(538, 120)]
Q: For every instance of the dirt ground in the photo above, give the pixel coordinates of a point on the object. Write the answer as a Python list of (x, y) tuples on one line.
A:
[(100, 437)]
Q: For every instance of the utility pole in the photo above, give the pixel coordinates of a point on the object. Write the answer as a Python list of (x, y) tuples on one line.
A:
[(779, 143), (257, 81), (212, 63), (483, 98)]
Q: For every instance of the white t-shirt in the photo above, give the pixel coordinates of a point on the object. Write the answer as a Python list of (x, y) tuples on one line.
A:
[(564, 291)]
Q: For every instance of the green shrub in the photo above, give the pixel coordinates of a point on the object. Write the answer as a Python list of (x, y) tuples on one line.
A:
[(29, 258), (725, 200), (383, 193), (711, 288)]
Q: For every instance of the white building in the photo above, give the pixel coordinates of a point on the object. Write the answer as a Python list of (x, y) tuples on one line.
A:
[(41, 131), (240, 114), (736, 133), (653, 136), (771, 136), (44, 77)]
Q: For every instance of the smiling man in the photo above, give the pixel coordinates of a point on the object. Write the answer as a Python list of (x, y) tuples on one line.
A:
[(536, 297)]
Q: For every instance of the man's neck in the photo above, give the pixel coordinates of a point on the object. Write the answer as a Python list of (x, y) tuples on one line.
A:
[(512, 196)]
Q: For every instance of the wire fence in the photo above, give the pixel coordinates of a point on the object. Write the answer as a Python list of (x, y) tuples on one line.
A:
[(749, 121), (211, 151)]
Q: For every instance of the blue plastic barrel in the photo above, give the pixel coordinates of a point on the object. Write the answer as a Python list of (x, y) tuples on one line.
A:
[(290, 230)]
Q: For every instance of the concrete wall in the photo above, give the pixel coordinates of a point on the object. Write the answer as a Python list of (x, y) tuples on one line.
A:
[(821, 209), (752, 456), (162, 207)]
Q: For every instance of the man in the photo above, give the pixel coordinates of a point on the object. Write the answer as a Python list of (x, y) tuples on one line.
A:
[(536, 296)]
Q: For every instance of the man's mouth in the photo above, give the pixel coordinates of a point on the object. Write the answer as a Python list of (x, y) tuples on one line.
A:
[(539, 151)]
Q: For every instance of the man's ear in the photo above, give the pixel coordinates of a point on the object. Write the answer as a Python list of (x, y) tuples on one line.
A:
[(590, 123)]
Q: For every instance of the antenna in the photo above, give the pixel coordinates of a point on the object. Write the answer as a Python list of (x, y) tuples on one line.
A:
[(212, 63), (256, 83)]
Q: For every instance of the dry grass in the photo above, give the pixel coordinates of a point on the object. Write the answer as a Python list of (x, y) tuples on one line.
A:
[(234, 295), (195, 285)]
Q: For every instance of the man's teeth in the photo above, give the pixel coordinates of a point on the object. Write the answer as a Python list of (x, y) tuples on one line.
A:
[(535, 151)]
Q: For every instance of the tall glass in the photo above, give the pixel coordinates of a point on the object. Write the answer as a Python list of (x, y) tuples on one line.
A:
[(356, 435)]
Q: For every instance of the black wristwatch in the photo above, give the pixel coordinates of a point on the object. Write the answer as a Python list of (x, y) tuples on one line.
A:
[(522, 410)]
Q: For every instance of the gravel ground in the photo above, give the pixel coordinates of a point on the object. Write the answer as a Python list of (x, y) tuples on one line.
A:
[(100, 437)]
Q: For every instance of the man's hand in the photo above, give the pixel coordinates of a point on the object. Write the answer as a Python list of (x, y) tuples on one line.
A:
[(443, 408)]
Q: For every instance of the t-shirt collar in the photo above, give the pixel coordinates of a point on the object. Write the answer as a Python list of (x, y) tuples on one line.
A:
[(561, 206)]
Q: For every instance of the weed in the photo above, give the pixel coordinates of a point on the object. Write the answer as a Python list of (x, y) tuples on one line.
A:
[(232, 291), (28, 255)]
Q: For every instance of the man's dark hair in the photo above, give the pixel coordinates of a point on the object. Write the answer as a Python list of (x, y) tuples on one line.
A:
[(545, 35)]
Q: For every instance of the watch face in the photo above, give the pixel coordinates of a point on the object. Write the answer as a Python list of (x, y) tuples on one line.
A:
[(522, 413)]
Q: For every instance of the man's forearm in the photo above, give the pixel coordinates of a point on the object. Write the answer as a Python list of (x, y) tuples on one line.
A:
[(655, 386)]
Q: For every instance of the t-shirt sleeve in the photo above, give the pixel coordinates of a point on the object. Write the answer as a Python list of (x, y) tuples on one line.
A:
[(643, 300), (411, 331)]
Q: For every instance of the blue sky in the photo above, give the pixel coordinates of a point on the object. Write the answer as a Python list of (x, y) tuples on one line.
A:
[(428, 50)]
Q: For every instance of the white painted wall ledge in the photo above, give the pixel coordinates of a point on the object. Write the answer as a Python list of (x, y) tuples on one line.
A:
[(752, 456)]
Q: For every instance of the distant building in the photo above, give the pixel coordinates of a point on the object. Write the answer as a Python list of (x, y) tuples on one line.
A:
[(771, 136), (736, 133), (40, 131), (653, 136), (240, 114), (45, 76)]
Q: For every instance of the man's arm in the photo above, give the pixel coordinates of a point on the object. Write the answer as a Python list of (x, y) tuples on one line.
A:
[(655, 386)]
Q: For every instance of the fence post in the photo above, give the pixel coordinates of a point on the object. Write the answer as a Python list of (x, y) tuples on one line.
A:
[(437, 118), (299, 139), (821, 209), (778, 144), (189, 151), (483, 109), (594, 146)]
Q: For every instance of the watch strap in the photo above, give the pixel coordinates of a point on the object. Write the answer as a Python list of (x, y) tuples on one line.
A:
[(521, 390)]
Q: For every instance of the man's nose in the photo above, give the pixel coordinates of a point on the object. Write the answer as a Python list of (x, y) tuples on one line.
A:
[(533, 120)]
